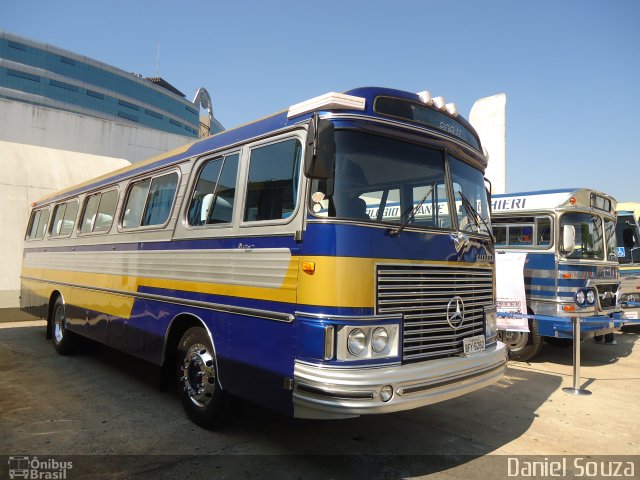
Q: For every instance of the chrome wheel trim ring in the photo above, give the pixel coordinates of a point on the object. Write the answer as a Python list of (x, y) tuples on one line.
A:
[(59, 323), (515, 340), (199, 375)]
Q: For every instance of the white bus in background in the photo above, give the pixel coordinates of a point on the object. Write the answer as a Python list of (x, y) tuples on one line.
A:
[(628, 252)]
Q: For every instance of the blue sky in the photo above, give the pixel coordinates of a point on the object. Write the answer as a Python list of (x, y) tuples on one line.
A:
[(570, 68)]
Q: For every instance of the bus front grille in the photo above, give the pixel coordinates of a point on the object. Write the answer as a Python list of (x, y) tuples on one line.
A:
[(422, 295), (607, 295)]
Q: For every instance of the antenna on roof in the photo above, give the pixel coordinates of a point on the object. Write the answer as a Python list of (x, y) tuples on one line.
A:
[(158, 61)]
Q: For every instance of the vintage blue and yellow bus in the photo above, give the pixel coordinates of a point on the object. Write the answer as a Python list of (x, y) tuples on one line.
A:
[(246, 265), (628, 251), (571, 267)]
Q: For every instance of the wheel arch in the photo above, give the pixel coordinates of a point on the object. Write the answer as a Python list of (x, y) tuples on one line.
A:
[(177, 327)]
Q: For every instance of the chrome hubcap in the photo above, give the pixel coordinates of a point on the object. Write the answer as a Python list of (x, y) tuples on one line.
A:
[(58, 323), (199, 375), (514, 340)]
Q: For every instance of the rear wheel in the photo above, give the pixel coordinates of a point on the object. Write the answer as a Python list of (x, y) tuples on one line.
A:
[(64, 341), (523, 346), (202, 397)]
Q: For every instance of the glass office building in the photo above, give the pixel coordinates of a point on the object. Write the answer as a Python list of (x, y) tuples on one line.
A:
[(48, 76)]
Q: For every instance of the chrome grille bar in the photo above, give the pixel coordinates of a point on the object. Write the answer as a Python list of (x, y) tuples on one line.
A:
[(422, 293)]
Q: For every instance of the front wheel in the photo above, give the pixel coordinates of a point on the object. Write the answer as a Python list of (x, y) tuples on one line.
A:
[(523, 346), (202, 397)]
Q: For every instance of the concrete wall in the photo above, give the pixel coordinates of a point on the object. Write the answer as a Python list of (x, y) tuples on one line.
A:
[(44, 150), (45, 127)]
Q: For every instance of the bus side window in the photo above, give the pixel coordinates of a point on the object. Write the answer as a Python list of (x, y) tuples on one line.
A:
[(58, 216), (106, 211), (98, 212), (136, 202), (500, 234), (69, 220), (544, 232), (64, 218), (38, 224), (149, 201), (222, 209), (521, 235), (160, 199), (214, 195), (273, 180)]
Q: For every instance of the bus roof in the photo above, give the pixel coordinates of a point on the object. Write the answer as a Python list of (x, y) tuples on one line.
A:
[(357, 101), (631, 207), (552, 199)]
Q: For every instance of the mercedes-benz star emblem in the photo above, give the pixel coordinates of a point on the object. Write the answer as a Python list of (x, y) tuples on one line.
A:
[(455, 317)]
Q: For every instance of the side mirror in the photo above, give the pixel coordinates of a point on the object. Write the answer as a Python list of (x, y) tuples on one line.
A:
[(320, 153), (489, 188), (568, 239)]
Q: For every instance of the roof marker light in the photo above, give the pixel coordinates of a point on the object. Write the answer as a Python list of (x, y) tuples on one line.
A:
[(451, 109), (328, 101), (439, 102), (426, 97), (572, 200)]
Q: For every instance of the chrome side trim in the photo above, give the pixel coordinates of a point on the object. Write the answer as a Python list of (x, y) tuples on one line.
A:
[(369, 395), (217, 307), (355, 318)]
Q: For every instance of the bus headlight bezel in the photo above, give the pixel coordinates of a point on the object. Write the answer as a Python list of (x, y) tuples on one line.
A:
[(586, 297), (365, 342)]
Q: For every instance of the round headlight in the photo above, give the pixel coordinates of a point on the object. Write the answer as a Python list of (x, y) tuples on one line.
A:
[(356, 342), (580, 297), (591, 297), (379, 340)]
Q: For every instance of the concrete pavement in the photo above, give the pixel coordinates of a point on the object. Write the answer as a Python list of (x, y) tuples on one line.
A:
[(106, 403)]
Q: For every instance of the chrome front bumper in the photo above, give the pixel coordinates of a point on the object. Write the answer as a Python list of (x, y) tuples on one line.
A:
[(323, 392)]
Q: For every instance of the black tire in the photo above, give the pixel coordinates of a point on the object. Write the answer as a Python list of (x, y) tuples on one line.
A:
[(204, 401), (559, 342), (64, 341), (523, 346)]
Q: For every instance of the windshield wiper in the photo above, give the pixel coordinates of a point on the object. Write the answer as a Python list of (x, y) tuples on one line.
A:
[(396, 232), (475, 215)]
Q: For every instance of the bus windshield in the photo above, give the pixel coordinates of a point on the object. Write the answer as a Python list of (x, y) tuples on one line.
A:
[(627, 238), (380, 179), (589, 239)]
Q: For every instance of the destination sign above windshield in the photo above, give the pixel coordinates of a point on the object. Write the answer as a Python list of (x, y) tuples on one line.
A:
[(418, 113)]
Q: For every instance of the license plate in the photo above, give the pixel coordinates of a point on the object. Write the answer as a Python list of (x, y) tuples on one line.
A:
[(473, 344), (630, 315)]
